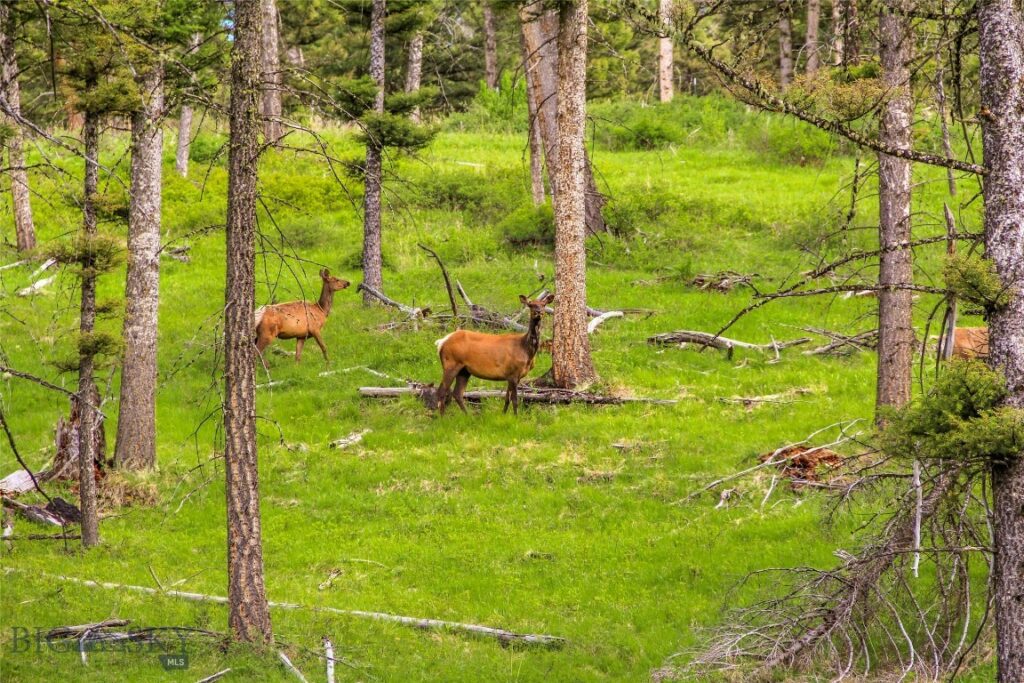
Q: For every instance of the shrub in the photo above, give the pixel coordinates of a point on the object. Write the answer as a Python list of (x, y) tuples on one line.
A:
[(529, 226), (207, 147)]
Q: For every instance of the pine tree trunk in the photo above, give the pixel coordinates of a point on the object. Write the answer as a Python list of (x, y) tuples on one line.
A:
[(25, 232), (272, 80), (838, 33), (372, 258), (785, 45), (1000, 29), (136, 423), (811, 43), (87, 393), (490, 47), (536, 145), (185, 127), (665, 56), (249, 617), (414, 70), (540, 31), (851, 33), (571, 365), (895, 306)]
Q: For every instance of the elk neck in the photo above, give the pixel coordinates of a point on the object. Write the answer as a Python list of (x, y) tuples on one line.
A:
[(326, 299), (531, 340)]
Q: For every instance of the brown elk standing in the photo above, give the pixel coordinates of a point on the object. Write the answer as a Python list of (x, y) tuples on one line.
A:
[(498, 357), (298, 320), (970, 342)]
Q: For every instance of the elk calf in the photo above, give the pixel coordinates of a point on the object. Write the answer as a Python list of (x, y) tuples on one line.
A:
[(970, 342), (298, 320), (498, 357)]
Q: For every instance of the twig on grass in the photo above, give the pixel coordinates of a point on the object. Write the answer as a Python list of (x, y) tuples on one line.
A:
[(213, 677), (291, 667)]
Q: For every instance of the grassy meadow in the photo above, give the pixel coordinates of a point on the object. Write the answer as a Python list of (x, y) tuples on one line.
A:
[(564, 520)]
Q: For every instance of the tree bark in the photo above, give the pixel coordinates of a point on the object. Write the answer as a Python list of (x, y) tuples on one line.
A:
[(24, 229), (414, 70), (785, 44), (811, 43), (372, 258), (851, 33), (665, 54), (1001, 45), (88, 396), (136, 423), (571, 365), (535, 143), (838, 42), (540, 31), (895, 306), (272, 80), (490, 47), (249, 617), (185, 127)]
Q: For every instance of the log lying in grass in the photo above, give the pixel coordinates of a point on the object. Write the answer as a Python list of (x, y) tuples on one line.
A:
[(36, 513), (411, 311), (842, 342), (705, 339), (526, 394), (506, 637)]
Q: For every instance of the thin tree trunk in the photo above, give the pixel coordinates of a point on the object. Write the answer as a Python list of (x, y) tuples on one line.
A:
[(372, 259), (851, 33), (1001, 44), (414, 70), (249, 616), (838, 32), (185, 126), (571, 364), (535, 143), (136, 423), (811, 43), (490, 47), (895, 306), (87, 394), (665, 54), (272, 80), (785, 44), (25, 232), (540, 31)]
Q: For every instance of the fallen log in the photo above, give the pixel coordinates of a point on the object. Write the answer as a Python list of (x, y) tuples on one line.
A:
[(36, 286), (704, 339), (595, 322), (864, 340), (416, 622), (17, 482), (36, 513), (526, 394), (76, 631), (388, 301)]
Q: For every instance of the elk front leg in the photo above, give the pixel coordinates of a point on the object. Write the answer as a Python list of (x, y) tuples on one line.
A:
[(320, 343), (443, 391), (508, 396), (460, 388), (515, 398), (298, 348)]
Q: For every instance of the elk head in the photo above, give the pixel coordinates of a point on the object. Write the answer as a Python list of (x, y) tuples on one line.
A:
[(332, 283)]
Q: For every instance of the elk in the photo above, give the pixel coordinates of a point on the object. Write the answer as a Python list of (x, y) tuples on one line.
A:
[(298, 320), (970, 342), (497, 357)]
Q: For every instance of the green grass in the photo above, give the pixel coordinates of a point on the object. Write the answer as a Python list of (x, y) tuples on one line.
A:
[(562, 521)]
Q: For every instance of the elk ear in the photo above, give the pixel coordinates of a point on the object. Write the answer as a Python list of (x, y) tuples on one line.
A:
[(523, 300), (324, 274), (548, 299)]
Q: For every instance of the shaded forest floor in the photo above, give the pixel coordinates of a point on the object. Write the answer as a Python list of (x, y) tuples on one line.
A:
[(565, 520)]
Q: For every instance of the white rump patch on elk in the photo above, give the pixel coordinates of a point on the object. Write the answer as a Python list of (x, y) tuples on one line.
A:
[(259, 315), (440, 342)]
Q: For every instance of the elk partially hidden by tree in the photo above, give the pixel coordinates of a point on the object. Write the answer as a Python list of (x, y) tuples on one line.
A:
[(970, 342), (298, 320), (497, 357)]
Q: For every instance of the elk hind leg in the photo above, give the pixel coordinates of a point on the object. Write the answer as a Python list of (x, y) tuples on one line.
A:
[(299, 342), (444, 389), (460, 388)]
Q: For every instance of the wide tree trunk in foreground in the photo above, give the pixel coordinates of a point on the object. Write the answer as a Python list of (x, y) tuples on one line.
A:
[(372, 258), (414, 70), (665, 56), (88, 396), (249, 616), (811, 43), (272, 80), (785, 44), (1001, 42), (540, 31), (895, 305), (490, 47), (136, 423), (24, 230), (571, 364)]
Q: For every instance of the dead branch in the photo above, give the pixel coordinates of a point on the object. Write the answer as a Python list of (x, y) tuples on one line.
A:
[(447, 280), (595, 322), (415, 622), (723, 281), (411, 311), (291, 667), (704, 339), (36, 513), (863, 340), (213, 677)]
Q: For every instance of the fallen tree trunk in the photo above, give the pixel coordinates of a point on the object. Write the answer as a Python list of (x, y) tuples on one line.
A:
[(706, 339), (36, 513), (416, 622), (526, 394), (388, 301)]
